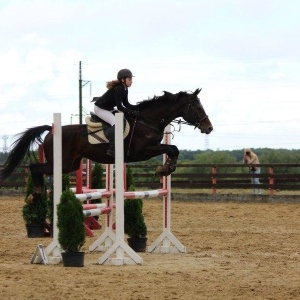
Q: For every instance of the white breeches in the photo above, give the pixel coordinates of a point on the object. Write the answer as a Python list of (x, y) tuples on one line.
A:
[(105, 115)]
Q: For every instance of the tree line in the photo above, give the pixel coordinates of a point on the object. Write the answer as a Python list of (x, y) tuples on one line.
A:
[(265, 155)]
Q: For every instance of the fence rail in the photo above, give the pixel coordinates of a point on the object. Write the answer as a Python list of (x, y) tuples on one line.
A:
[(223, 176), (17, 179), (200, 176)]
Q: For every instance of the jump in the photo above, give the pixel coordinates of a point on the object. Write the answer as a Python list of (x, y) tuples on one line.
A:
[(142, 142)]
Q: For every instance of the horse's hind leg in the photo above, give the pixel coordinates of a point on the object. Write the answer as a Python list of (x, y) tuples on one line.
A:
[(38, 170)]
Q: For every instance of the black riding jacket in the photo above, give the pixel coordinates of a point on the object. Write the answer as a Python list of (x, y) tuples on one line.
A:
[(116, 96)]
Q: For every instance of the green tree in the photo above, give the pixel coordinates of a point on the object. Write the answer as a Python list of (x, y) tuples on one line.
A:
[(97, 176)]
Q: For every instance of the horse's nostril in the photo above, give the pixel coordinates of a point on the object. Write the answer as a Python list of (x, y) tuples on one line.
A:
[(210, 129)]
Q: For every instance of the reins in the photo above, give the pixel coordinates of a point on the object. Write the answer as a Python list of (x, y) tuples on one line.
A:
[(131, 136), (179, 122)]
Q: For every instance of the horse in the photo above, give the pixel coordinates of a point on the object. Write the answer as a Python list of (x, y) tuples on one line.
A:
[(142, 142)]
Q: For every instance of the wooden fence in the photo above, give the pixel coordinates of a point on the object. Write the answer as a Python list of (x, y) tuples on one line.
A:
[(17, 179), (200, 176), (223, 176)]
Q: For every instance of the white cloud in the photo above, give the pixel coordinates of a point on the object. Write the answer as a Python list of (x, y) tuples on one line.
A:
[(244, 54)]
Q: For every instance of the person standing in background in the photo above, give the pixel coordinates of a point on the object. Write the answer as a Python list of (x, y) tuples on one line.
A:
[(251, 158)]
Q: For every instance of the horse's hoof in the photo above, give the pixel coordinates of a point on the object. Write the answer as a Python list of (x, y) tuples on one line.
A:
[(159, 171), (29, 199)]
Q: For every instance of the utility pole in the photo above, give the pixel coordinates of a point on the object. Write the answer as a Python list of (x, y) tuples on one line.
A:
[(5, 138), (80, 91)]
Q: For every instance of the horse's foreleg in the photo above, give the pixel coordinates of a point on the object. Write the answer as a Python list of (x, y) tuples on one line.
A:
[(171, 162), (168, 168)]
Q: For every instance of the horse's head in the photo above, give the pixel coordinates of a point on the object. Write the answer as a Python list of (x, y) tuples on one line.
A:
[(195, 114), (162, 110)]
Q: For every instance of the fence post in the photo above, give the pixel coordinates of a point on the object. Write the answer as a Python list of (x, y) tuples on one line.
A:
[(214, 179), (271, 179)]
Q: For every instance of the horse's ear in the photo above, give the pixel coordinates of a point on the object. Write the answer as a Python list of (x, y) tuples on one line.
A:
[(197, 92)]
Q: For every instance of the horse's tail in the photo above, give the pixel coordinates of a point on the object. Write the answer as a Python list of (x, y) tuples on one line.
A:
[(21, 147)]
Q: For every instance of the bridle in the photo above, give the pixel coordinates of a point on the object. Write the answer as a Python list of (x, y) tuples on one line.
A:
[(195, 113), (179, 122), (185, 114)]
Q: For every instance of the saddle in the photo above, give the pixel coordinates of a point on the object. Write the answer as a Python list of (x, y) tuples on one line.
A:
[(96, 129)]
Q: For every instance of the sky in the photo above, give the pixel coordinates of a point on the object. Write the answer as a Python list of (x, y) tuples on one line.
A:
[(245, 55)]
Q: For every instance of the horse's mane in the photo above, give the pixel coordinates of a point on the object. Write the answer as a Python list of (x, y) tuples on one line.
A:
[(166, 97)]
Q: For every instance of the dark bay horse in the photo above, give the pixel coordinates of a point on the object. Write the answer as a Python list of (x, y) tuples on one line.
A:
[(142, 143)]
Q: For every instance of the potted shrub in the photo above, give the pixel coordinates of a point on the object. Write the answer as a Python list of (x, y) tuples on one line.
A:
[(134, 223), (34, 211), (71, 233), (34, 215), (50, 202)]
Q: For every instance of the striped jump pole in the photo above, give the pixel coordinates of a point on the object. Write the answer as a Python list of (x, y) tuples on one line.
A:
[(93, 206), (93, 195), (90, 222), (119, 247), (96, 211), (145, 194), (90, 211), (166, 242), (86, 190)]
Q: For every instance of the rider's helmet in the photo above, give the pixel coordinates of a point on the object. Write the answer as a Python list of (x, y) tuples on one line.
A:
[(124, 73)]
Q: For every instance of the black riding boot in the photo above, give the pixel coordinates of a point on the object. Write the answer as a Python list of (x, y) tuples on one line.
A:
[(111, 136)]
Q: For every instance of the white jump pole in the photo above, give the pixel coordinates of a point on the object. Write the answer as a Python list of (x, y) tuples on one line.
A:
[(54, 246), (120, 248), (170, 244)]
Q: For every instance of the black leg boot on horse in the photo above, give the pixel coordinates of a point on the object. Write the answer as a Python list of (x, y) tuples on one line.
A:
[(110, 133)]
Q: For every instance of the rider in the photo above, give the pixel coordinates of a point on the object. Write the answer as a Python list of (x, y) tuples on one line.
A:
[(116, 95)]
